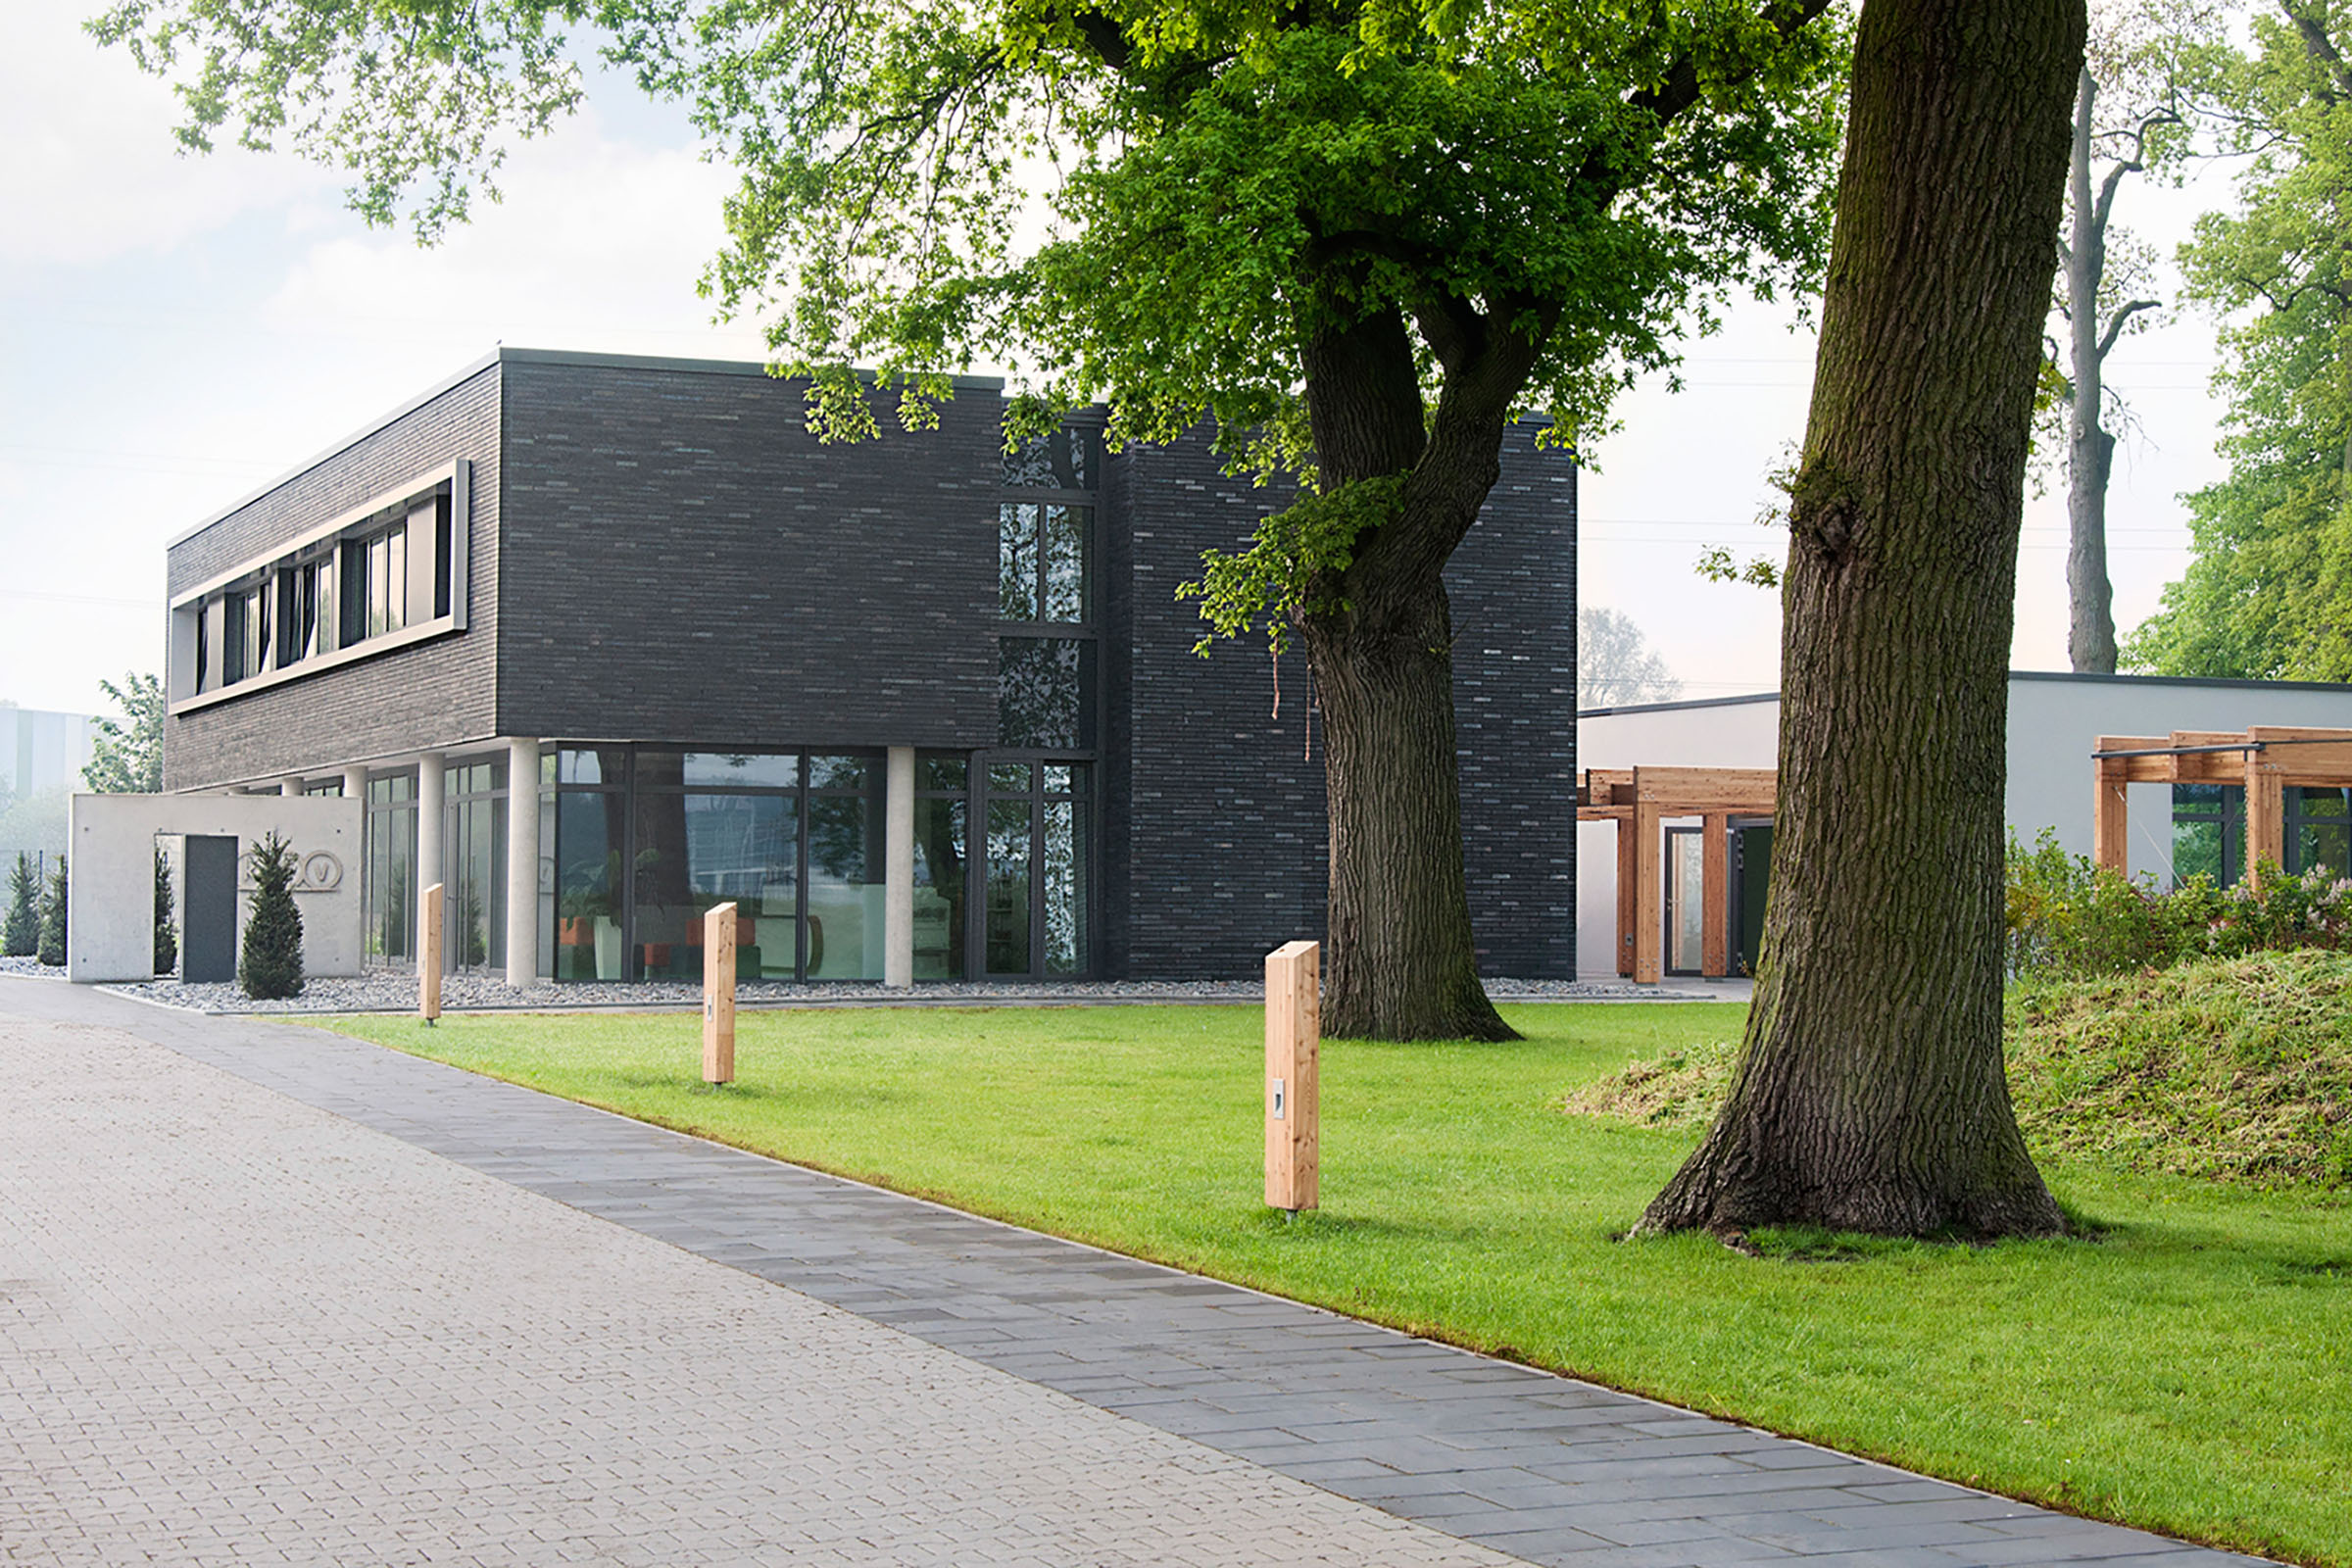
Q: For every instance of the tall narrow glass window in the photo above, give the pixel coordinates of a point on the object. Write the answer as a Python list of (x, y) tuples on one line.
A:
[(845, 891), (1045, 693), (942, 861)]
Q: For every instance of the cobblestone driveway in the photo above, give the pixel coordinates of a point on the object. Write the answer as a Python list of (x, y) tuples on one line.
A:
[(237, 1330)]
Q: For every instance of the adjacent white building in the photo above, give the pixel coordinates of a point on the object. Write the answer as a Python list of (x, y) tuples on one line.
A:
[(40, 752), (2053, 721)]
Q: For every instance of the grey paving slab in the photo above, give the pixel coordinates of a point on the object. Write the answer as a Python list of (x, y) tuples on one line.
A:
[(1547, 1469)]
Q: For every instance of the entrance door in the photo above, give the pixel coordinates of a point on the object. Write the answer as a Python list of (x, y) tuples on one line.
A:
[(208, 948), (1036, 879), (1686, 900), (1751, 861)]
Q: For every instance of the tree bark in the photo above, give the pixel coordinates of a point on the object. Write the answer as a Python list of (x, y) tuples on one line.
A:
[(1403, 961), (1870, 1093), (2090, 449)]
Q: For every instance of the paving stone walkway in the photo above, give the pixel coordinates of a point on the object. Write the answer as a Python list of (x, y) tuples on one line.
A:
[(384, 1355)]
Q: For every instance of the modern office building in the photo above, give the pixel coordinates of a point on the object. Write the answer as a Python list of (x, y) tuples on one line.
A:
[(605, 641)]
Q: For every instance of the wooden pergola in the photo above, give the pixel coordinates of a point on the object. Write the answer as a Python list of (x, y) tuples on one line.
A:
[(1640, 800), (2267, 759)]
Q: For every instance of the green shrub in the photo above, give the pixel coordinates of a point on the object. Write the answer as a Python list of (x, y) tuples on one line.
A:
[(166, 939), (22, 937), (269, 963), (2068, 918), (53, 918)]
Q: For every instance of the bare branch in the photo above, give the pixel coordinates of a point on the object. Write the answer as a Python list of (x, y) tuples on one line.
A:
[(2115, 323)]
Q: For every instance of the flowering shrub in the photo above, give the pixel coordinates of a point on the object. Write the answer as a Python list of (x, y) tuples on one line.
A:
[(2068, 918)]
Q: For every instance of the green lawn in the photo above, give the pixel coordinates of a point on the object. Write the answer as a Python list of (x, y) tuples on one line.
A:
[(2188, 1371)]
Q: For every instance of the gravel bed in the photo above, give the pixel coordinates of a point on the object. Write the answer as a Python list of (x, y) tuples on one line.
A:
[(32, 966), (397, 993)]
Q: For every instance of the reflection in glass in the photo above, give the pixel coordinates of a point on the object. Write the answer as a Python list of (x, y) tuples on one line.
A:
[(388, 872), (1687, 890), (1044, 692), (1060, 459), (692, 851), (935, 771), (1061, 885), (841, 772), (846, 893), (939, 886), (1007, 933), (607, 766), (587, 894), (1062, 548), (1009, 778), (2196, 848), (728, 770), (474, 879), (1016, 560)]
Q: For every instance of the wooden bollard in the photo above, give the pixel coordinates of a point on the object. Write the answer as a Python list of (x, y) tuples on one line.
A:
[(428, 956), (1294, 1034), (718, 994)]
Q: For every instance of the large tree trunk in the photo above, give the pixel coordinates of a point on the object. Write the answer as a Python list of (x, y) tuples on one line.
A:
[(2090, 449), (1402, 961), (1870, 1093)]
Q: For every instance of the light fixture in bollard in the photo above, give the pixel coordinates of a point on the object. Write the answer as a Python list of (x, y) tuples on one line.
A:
[(1293, 1035), (428, 956), (718, 994)]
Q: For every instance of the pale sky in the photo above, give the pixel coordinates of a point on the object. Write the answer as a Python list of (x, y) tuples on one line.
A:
[(177, 332)]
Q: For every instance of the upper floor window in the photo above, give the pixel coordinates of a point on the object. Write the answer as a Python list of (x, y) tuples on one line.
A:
[(1042, 550), (394, 569), (1067, 459)]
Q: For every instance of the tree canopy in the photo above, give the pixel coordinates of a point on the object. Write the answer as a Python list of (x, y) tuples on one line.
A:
[(127, 754), (2269, 593), (1354, 236)]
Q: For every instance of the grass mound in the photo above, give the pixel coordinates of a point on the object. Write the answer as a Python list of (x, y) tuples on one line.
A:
[(2231, 1069), (2238, 1069)]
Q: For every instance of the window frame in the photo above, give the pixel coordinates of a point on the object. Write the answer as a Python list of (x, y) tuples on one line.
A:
[(198, 659)]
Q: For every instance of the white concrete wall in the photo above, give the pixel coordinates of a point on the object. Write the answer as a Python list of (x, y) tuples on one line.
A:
[(110, 910), (2053, 719)]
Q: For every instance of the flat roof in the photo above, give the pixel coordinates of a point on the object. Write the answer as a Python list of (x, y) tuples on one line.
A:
[(2220, 683), (502, 355)]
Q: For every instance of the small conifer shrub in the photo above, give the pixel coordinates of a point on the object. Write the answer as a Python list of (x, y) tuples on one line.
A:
[(167, 938), (22, 936), (269, 963), (53, 918)]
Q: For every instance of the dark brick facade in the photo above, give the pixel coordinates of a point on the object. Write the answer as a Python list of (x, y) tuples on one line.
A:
[(661, 552), (685, 562), (431, 696), (1216, 850)]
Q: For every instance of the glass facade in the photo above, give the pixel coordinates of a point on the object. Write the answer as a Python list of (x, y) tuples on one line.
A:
[(1037, 886), (640, 842), (473, 868), (942, 863), (2209, 831), (388, 872)]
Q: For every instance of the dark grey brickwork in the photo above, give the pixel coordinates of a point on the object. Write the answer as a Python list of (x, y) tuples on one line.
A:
[(1217, 845), (434, 695), (686, 562), (662, 553)]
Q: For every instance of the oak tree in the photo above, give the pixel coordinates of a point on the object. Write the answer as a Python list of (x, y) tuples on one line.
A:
[(1869, 1093)]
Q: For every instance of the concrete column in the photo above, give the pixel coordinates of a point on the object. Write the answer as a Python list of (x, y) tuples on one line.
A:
[(291, 784), (355, 783), (898, 863), (522, 860), (432, 803)]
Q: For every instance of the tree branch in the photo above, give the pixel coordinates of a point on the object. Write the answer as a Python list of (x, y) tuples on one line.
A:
[(2115, 323)]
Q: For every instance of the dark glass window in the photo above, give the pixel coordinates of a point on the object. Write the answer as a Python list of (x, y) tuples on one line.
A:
[(1009, 886), (1039, 880), (728, 770), (1045, 693), (375, 585), (247, 634), (1066, 458), (846, 894), (942, 863), (475, 867), (206, 618), (1041, 560), (588, 873)]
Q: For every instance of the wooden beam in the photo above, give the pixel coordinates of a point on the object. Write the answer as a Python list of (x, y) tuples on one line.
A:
[(2266, 816), (718, 994), (2110, 817), (430, 929), (1627, 909), (1293, 1032), (1715, 941), (1701, 789), (1650, 932)]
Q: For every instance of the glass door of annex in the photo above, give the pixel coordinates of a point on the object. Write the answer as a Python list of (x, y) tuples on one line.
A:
[(1038, 870)]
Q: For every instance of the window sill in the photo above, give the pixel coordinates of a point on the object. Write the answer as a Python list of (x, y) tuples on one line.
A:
[(317, 664)]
